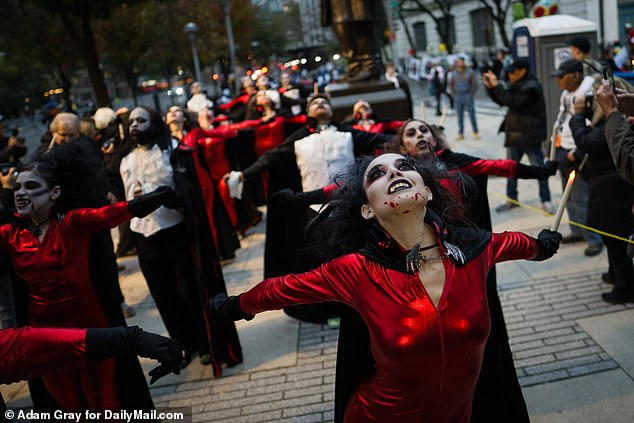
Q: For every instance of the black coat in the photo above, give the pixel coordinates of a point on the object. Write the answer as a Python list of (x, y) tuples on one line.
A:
[(525, 121), (610, 196)]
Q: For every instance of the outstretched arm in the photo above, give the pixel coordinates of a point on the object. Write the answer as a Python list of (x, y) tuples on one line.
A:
[(29, 352)]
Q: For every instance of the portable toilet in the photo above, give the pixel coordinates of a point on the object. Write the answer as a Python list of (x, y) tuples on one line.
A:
[(542, 41)]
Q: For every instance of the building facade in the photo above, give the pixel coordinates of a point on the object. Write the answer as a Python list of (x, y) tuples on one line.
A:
[(474, 31)]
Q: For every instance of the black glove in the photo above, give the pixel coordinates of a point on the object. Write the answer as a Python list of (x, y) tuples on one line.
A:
[(229, 307), (147, 203), (536, 172), (548, 244), (299, 200), (103, 343)]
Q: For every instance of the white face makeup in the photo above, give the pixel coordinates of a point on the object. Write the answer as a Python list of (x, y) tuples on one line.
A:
[(418, 140), (320, 109), (32, 196), (393, 186), (139, 121)]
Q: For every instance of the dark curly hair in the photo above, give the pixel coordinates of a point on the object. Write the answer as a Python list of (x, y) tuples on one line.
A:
[(340, 228), (78, 170)]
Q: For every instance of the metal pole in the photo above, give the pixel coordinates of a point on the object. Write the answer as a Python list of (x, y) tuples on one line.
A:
[(232, 47), (195, 54)]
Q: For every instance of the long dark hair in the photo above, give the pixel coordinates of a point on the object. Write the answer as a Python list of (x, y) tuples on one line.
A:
[(77, 169), (340, 228), (436, 131)]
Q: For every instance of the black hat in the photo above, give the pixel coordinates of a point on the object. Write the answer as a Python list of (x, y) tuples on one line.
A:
[(582, 43), (519, 64), (569, 66)]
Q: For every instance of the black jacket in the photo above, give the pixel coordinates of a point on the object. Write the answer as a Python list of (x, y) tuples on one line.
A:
[(525, 121)]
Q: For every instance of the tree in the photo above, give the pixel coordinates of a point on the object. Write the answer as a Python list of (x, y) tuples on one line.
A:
[(77, 17), (43, 53), (498, 9), (442, 22)]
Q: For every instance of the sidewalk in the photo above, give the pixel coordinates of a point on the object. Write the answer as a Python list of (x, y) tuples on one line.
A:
[(573, 352)]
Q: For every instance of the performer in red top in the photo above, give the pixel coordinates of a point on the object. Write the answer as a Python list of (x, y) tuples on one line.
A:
[(48, 244), (418, 283)]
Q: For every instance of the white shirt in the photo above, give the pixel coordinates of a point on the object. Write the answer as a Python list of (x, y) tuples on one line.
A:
[(148, 169), (322, 156), (565, 106)]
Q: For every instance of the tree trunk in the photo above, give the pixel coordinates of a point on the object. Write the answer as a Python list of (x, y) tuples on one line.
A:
[(85, 44), (407, 33)]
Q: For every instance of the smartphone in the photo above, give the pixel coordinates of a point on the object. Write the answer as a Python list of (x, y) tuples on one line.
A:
[(609, 76)]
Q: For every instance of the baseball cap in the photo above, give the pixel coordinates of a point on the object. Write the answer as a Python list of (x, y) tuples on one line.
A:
[(582, 43), (569, 66), (519, 64)]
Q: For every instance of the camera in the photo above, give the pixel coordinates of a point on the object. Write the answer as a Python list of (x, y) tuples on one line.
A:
[(5, 167), (107, 143), (608, 75)]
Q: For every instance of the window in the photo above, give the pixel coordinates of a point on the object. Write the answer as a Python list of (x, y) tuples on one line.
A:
[(452, 30), (482, 28), (420, 36)]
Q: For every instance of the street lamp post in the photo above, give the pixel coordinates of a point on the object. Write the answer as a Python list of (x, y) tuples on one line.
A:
[(191, 29), (232, 47)]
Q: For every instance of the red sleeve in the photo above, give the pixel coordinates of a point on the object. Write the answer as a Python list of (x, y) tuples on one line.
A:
[(507, 246), (32, 352), (505, 168), (299, 119), (95, 220), (393, 125), (5, 230), (332, 281), (238, 100), (329, 190)]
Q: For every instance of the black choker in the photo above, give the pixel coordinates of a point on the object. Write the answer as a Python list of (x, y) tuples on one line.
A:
[(35, 227), (414, 257)]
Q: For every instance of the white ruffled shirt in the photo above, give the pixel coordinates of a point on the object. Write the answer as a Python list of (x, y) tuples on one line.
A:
[(148, 169)]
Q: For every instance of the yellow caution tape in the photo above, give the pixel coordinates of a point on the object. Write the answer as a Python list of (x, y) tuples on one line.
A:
[(579, 225)]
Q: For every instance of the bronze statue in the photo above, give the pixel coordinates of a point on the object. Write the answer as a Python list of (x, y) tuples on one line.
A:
[(358, 26)]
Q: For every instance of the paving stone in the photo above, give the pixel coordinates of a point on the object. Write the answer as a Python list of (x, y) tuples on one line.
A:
[(543, 378), (593, 368)]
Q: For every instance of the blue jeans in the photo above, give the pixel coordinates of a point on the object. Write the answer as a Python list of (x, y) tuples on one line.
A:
[(577, 207), (536, 158), (463, 101)]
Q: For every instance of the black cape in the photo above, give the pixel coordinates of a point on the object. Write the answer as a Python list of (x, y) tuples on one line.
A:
[(223, 338)]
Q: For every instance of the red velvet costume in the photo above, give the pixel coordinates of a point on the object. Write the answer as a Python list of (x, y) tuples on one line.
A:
[(476, 167), (61, 294), (29, 352), (212, 146), (270, 133), (427, 357), (387, 127)]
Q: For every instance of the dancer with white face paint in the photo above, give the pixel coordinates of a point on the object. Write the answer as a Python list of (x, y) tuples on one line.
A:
[(416, 275), (177, 247), (49, 246)]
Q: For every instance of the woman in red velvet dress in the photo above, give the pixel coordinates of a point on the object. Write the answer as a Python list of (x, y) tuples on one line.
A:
[(418, 281), (48, 243)]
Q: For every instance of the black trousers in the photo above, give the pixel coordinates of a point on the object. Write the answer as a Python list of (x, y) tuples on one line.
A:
[(168, 268), (621, 266)]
